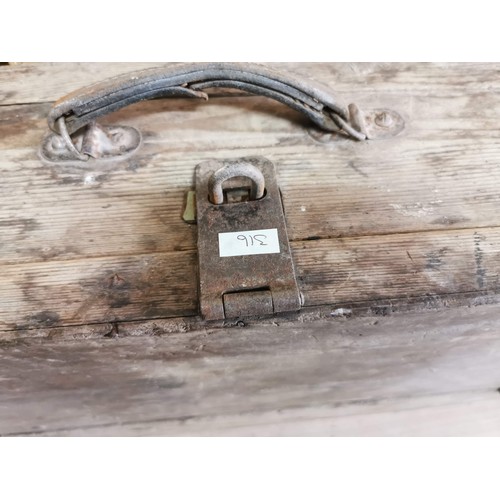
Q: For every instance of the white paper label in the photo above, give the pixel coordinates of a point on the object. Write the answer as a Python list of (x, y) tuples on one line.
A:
[(249, 243)]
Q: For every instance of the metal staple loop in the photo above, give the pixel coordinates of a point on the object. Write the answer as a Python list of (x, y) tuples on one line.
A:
[(63, 132), (348, 128), (238, 169)]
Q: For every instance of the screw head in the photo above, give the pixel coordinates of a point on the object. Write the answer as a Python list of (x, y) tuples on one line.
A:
[(384, 120)]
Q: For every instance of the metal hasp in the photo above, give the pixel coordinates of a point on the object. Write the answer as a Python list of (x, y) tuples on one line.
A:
[(245, 263)]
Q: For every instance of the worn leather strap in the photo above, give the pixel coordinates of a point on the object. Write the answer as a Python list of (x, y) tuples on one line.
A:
[(312, 99)]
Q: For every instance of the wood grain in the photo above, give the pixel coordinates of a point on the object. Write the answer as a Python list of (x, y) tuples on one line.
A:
[(407, 217), (414, 374), (99, 333), (47, 82), (418, 266), (420, 181), (98, 290)]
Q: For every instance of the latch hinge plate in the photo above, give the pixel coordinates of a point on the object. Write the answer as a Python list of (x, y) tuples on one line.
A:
[(245, 262)]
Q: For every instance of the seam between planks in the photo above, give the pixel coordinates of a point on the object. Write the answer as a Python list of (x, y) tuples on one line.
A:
[(468, 296)]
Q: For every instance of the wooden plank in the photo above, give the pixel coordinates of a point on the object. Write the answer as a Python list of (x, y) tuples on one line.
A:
[(42, 82), (418, 374), (47, 82), (463, 414), (408, 265), (100, 290), (417, 266)]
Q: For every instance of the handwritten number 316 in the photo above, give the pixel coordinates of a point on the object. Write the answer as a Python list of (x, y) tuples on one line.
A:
[(250, 240)]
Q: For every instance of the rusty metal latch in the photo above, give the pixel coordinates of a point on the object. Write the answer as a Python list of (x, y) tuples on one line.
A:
[(245, 262)]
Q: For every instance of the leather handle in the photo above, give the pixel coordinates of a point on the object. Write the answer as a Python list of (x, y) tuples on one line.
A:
[(319, 103), (316, 101)]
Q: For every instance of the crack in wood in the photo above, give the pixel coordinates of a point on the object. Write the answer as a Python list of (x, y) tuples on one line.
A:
[(478, 257)]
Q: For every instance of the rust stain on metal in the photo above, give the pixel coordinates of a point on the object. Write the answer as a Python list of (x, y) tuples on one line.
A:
[(94, 141), (243, 284), (237, 169)]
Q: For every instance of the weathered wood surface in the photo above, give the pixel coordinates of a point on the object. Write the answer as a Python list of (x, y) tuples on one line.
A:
[(407, 217), (157, 285), (46, 82), (97, 263), (434, 373)]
